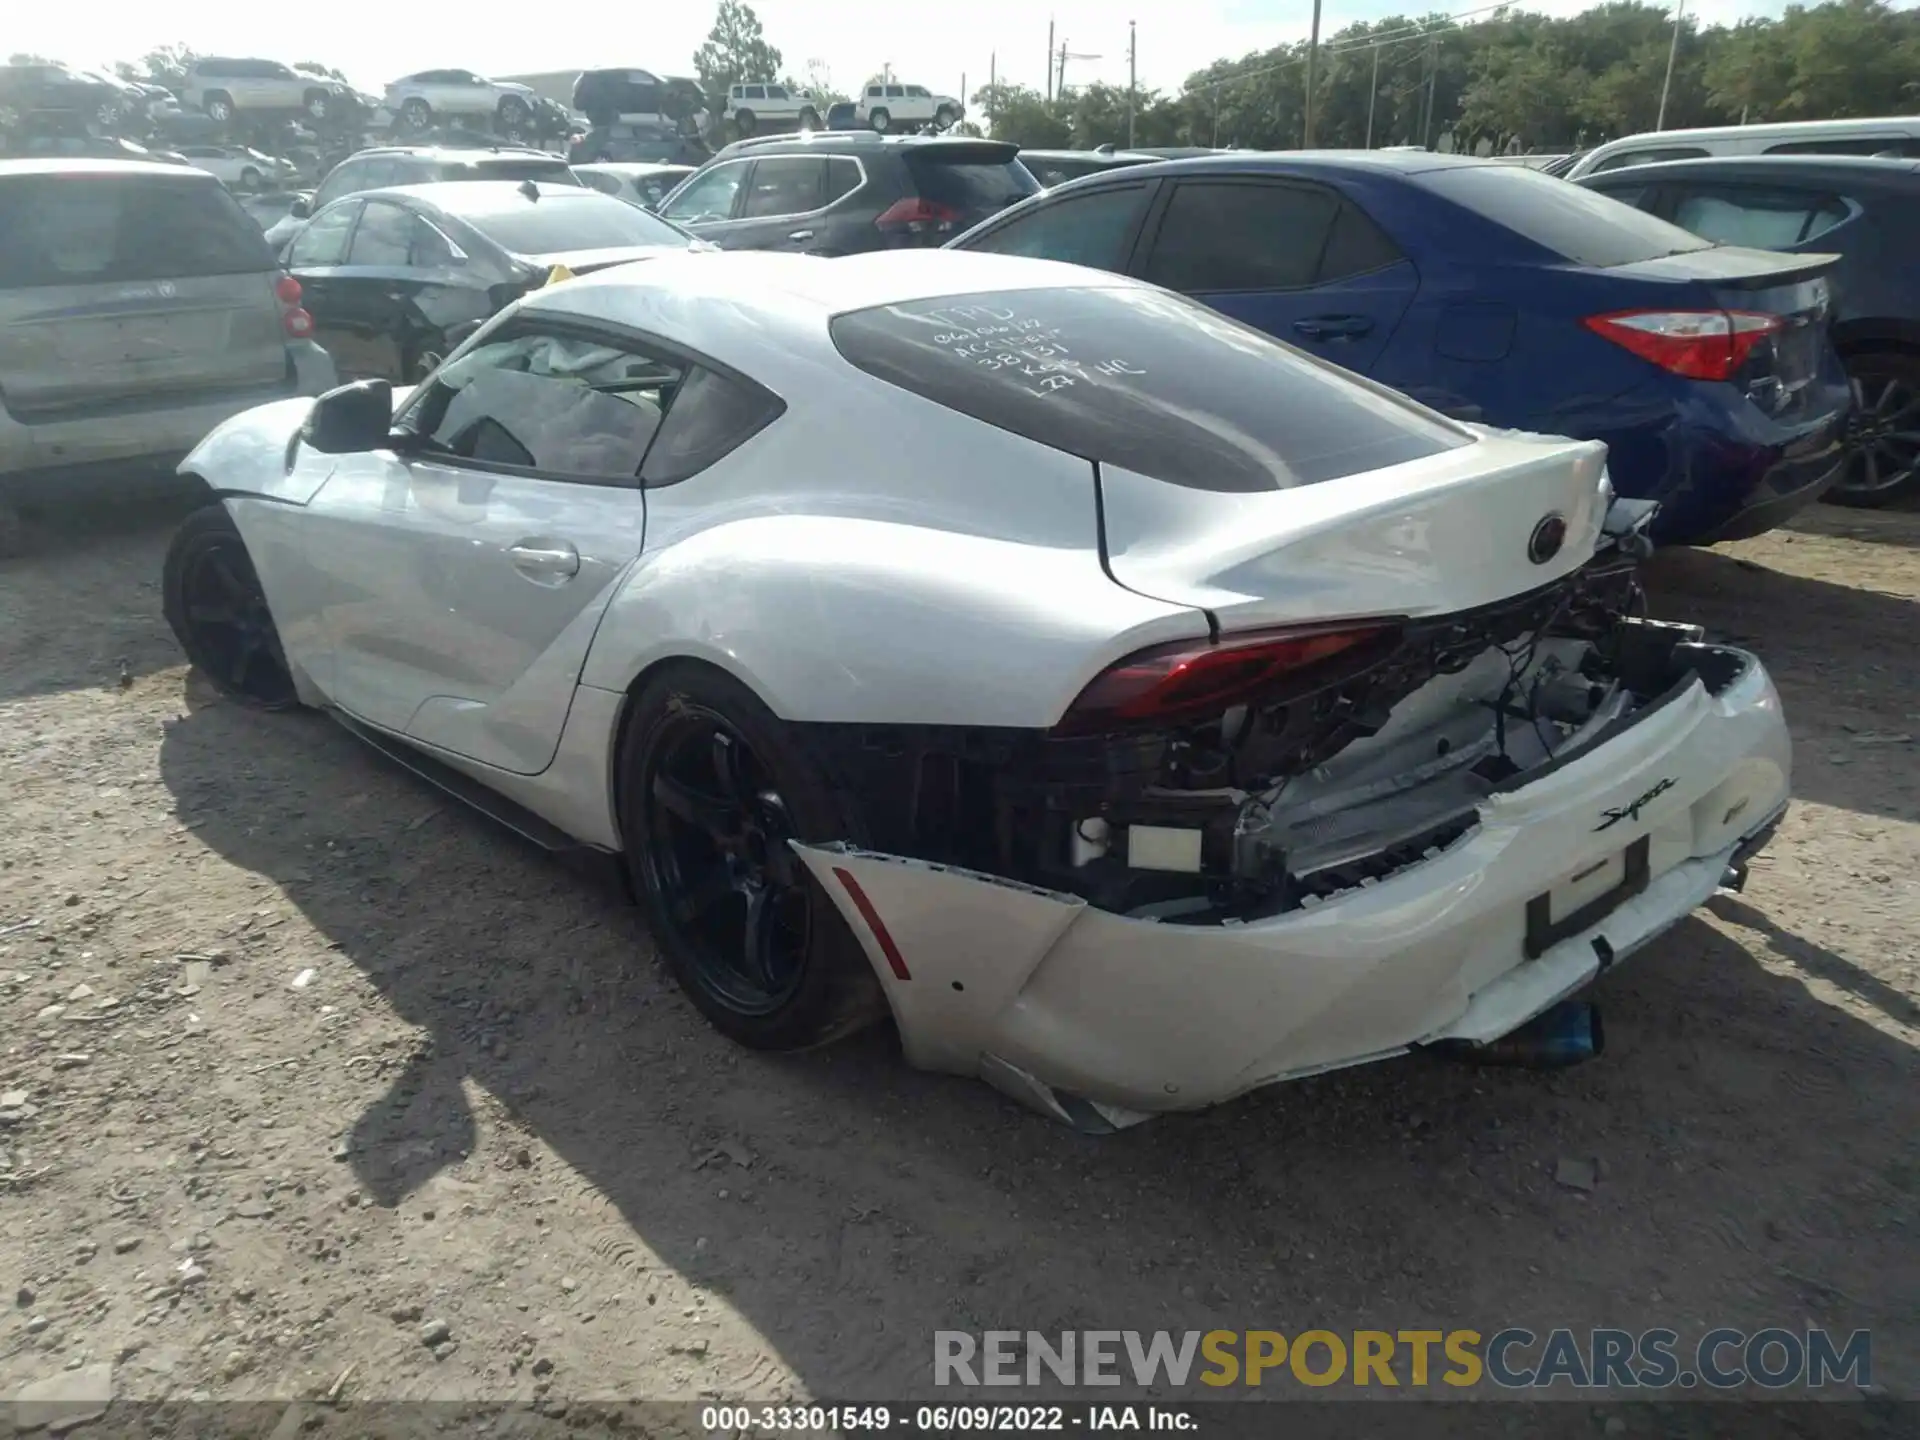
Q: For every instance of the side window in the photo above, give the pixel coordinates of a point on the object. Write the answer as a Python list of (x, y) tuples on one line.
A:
[(1218, 236), (712, 414), (559, 404), (1649, 157), (1640, 197), (431, 250), (919, 92), (346, 178), (896, 92), (324, 241), (606, 184), (1094, 229), (756, 92), (383, 237), (710, 196), (1763, 218), (1356, 246), (776, 92), (784, 185), (873, 92), (843, 178)]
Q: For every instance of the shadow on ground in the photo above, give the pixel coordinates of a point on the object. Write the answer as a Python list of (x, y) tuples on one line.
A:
[(1899, 525), (1754, 1144)]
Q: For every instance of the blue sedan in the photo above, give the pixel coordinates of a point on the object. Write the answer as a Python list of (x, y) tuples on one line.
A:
[(1496, 294)]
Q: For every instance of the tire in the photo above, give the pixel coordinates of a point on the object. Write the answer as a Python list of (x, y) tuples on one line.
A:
[(944, 118), (809, 119), (745, 121), (108, 115), (880, 120), (513, 111), (1883, 439), (219, 107), (702, 736), (213, 600), (317, 105), (417, 114), (250, 179)]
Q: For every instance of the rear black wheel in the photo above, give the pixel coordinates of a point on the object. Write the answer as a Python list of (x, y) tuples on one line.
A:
[(712, 789), (1883, 440), (214, 602)]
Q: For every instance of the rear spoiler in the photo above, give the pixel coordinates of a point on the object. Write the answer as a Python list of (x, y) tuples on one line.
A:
[(1731, 267)]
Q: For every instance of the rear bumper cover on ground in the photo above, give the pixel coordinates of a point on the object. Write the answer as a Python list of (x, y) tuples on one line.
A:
[(1087, 1013)]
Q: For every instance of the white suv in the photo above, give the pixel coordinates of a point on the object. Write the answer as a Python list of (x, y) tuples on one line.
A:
[(419, 100), (895, 107), (775, 107), (226, 87)]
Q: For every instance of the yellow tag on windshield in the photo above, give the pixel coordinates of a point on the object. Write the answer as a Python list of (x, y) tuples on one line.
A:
[(557, 274)]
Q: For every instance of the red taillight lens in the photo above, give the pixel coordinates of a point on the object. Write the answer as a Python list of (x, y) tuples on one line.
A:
[(1699, 344), (918, 216), (298, 323), (287, 290), (1189, 681)]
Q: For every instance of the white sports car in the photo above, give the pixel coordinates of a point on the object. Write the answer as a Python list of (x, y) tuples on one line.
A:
[(1136, 709)]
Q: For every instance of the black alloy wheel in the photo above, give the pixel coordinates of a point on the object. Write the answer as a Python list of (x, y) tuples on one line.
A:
[(712, 792), (1883, 436), (218, 610)]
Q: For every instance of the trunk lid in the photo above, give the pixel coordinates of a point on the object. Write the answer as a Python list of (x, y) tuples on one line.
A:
[(1792, 291), (123, 292), (971, 179), (582, 262), (1449, 532)]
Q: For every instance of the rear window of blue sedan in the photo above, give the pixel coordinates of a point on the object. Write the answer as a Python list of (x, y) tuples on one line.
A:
[(1146, 380), (1569, 220)]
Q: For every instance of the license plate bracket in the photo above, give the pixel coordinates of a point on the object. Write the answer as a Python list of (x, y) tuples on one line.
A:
[(1544, 932)]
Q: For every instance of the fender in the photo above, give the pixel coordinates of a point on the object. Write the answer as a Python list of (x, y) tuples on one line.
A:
[(256, 453), (873, 621)]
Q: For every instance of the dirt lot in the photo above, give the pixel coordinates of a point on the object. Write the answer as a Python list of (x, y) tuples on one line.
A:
[(314, 1059)]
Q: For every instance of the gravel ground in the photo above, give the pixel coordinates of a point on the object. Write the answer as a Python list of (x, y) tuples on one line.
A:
[(329, 1086)]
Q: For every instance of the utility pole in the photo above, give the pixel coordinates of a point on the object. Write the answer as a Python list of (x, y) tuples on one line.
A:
[(1313, 56), (993, 85), (1216, 117), (1049, 59), (1132, 41), (1373, 95), (1060, 90), (1673, 49), (1433, 76)]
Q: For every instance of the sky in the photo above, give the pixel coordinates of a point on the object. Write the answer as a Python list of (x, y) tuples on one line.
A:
[(932, 44)]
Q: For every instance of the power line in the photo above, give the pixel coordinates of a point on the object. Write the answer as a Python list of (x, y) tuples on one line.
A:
[(1406, 34)]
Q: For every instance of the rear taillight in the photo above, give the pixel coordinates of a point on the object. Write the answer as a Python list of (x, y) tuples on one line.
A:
[(1189, 681), (295, 321), (918, 216), (1699, 344)]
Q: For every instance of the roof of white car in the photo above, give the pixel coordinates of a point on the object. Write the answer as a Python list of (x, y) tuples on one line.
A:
[(749, 280)]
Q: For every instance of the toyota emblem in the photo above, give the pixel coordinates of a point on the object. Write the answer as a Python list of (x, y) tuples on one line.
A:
[(1547, 538)]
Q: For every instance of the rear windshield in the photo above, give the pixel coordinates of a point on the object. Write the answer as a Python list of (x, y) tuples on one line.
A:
[(548, 172), (588, 222), (1573, 222), (1142, 379), (92, 229), (969, 184)]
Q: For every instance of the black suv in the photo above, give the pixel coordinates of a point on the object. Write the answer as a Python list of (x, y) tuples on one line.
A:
[(840, 194)]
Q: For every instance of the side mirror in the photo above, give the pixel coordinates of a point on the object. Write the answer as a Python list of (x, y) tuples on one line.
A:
[(301, 207), (351, 419)]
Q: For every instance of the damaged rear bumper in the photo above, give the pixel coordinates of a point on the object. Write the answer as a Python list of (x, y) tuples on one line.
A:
[(1100, 1018)]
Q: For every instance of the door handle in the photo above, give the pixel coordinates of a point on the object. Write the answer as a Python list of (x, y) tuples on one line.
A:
[(1334, 327), (546, 562), (800, 235)]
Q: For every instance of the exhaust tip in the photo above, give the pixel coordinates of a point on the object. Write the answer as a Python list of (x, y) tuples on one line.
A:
[(1569, 1034)]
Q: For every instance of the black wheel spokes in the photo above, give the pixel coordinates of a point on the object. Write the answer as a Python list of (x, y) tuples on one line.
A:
[(236, 631), (732, 885)]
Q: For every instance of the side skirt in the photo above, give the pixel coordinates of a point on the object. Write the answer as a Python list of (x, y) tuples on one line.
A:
[(602, 866)]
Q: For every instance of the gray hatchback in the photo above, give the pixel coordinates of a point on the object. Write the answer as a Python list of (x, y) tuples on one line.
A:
[(139, 307)]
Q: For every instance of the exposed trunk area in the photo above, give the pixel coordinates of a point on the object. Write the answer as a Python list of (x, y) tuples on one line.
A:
[(1360, 766)]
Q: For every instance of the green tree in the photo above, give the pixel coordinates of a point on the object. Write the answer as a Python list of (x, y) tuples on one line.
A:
[(1022, 115), (311, 67), (736, 53), (169, 65)]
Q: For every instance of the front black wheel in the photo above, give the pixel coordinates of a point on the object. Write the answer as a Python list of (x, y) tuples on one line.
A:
[(712, 790), (1883, 439), (218, 610)]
